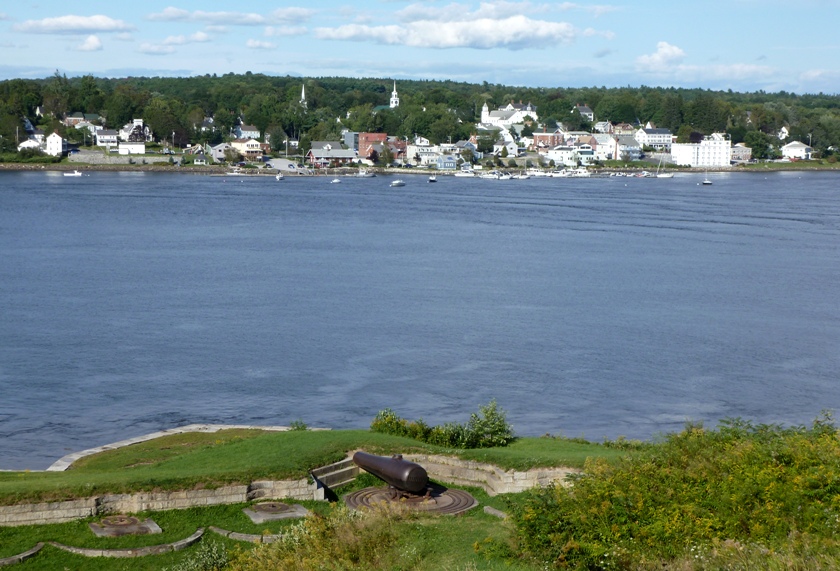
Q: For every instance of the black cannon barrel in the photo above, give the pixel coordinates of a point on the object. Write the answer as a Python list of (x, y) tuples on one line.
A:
[(395, 471)]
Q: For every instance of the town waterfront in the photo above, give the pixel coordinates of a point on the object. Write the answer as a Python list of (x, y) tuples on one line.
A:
[(135, 301)]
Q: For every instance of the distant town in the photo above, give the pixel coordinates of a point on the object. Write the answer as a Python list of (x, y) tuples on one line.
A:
[(510, 134)]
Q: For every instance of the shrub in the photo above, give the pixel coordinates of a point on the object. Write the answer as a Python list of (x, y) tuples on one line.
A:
[(208, 556), (386, 421), (486, 429), (754, 485)]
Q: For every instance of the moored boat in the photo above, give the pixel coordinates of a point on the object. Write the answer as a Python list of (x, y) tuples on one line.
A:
[(397, 182)]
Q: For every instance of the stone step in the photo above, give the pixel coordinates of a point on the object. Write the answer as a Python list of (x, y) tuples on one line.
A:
[(336, 474)]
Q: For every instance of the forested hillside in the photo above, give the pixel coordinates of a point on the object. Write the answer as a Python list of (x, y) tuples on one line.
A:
[(437, 110)]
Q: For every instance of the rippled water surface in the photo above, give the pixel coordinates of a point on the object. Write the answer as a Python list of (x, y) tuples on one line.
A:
[(132, 302)]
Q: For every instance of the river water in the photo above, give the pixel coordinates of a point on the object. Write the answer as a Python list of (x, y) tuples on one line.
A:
[(134, 302)]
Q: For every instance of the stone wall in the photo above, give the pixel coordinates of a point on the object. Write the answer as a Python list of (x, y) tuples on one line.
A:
[(491, 478), (60, 512)]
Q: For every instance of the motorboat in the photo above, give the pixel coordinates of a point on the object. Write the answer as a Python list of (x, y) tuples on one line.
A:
[(522, 176), (706, 181), (432, 178), (466, 173), (278, 176), (580, 172), (397, 182), (365, 174), (74, 173), (335, 181)]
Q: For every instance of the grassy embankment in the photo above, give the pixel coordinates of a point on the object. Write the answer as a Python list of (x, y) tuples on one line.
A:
[(187, 461), (194, 460)]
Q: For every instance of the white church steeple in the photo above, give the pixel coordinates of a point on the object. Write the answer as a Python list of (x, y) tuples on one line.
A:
[(303, 96), (395, 100)]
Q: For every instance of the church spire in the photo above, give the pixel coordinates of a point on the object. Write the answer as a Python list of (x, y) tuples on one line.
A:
[(395, 99), (303, 95)]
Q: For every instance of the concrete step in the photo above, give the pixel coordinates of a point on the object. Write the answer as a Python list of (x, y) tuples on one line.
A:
[(337, 474)]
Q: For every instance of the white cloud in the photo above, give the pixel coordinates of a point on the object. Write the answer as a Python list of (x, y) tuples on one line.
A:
[(73, 25), (156, 49), (279, 16), (4, 16), (258, 45), (664, 59), (91, 44), (515, 32), (283, 31), (198, 37)]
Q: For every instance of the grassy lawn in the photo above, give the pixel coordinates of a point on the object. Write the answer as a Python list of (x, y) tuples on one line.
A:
[(188, 461)]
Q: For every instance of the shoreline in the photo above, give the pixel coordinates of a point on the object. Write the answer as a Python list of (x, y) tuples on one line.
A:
[(217, 170)]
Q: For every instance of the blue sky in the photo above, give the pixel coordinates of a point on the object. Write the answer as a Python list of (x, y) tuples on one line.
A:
[(743, 45)]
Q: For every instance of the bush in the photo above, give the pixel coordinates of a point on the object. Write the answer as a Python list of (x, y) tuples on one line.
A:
[(760, 486), (486, 429), (208, 556)]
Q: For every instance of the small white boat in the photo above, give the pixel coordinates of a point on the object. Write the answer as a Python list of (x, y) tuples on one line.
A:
[(397, 182), (365, 174), (335, 181), (279, 176), (466, 173), (432, 178), (522, 176), (74, 173), (706, 181)]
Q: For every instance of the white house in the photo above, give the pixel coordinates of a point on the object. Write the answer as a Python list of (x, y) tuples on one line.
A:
[(659, 139), (510, 114), (563, 155), (421, 152), (106, 138), (56, 145), (606, 147), (797, 150), (713, 151)]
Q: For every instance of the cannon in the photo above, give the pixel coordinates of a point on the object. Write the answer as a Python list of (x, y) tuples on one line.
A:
[(398, 473)]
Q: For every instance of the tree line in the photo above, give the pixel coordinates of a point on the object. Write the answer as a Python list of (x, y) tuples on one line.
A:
[(440, 111)]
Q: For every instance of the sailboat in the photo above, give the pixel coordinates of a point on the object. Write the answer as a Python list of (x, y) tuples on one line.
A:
[(706, 181), (662, 174)]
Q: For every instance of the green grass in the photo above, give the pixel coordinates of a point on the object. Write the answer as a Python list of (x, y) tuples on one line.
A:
[(193, 460), (421, 542)]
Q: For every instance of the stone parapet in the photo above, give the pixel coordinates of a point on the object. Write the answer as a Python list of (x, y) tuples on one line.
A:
[(60, 512), (491, 478)]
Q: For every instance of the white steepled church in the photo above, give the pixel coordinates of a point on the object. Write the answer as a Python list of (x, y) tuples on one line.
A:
[(395, 99), (303, 96)]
